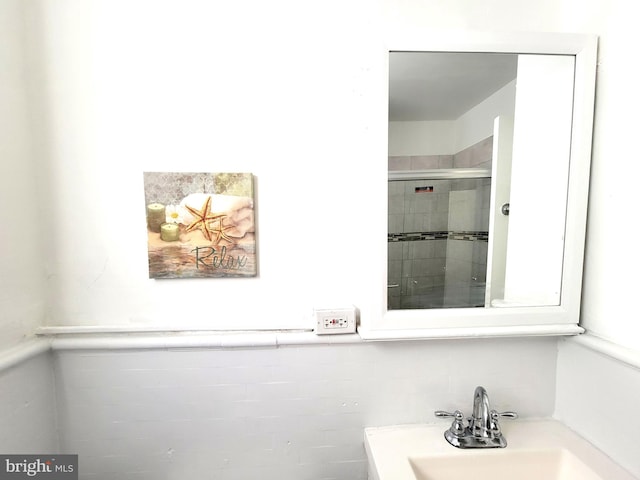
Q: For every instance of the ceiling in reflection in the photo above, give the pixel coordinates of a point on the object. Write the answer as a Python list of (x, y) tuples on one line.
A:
[(443, 86)]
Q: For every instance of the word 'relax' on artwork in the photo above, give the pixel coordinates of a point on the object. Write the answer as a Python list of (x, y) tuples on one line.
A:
[(200, 225)]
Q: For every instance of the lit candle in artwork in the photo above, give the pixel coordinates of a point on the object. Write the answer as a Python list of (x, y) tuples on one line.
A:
[(155, 216), (169, 232)]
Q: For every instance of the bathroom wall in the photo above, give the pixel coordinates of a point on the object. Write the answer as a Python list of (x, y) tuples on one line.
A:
[(21, 238), (610, 293), (419, 138), (111, 106), (596, 391), (285, 413), (597, 396), (476, 125), (101, 128), (28, 417), (232, 88), (114, 95), (27, 406)]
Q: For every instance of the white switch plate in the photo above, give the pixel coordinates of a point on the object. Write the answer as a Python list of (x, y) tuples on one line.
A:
[(332, 321)]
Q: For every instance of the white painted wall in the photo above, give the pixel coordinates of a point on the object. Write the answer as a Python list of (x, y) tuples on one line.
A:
[(421, 138), (21, 234), (609, 303), (141, 86), (450, 137), (477, 124)]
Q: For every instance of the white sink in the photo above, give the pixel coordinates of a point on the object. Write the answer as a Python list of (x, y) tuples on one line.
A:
[(558, 464), (536, 450)]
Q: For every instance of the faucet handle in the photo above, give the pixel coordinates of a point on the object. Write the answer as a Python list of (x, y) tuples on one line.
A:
[(494, 415), (457, 427), (443, 414), (503, 414)]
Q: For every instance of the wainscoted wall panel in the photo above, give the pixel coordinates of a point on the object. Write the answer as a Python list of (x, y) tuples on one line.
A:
[(287, 413), (598, 397), (28, 413)]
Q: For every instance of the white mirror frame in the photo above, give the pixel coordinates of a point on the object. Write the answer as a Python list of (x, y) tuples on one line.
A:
[(376, 323)]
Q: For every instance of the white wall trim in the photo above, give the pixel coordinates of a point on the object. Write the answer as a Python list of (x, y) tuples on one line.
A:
[(473, 332), (150, 340), (23, 351), (127, 339), (119, 338), (610, 349), (155, 329)]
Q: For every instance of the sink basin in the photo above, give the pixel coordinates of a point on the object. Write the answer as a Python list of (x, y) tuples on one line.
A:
[(559, 464), (536, 450)]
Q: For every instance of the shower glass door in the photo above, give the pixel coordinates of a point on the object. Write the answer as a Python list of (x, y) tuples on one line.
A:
[(437, 240)]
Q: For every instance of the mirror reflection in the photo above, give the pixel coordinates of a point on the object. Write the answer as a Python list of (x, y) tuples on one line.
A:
[(452, 168), (438, 249), (440, 152)]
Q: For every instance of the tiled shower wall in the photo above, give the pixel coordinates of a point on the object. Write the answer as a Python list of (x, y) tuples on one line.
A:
[(466, 266), (476, 156), (429, 263), (417, 260)]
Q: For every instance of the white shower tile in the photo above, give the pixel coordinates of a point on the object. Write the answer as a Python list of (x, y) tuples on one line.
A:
[(399, 163), (425, 162)]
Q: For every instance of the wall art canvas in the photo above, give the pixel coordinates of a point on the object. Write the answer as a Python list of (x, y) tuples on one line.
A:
[(200, 225)]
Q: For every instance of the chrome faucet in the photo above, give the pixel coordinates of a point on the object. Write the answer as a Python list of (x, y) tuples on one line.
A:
[(482, 430)]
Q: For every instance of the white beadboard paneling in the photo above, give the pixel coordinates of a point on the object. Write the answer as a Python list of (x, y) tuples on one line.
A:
[(598, 397), (291, 412)]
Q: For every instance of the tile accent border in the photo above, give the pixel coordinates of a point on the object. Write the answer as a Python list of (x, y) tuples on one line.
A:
[(413, 236)]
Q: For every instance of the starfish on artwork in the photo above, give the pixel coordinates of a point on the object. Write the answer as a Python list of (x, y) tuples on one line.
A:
[(221, 229), (203, 217)]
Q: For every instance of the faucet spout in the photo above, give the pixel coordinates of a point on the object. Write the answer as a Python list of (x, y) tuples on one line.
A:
[(480, 423)]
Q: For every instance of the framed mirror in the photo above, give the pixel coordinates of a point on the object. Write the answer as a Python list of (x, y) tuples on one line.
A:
[(488, 165)]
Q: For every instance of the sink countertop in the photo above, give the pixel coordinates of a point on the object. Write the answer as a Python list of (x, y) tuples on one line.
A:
[(389, 448)]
